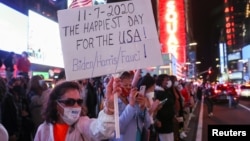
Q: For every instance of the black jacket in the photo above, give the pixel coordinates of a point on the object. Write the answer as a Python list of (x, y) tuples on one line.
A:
[(166, 114)]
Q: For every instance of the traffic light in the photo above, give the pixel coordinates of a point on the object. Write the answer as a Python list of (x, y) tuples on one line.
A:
[(209, 71), (185, 68)]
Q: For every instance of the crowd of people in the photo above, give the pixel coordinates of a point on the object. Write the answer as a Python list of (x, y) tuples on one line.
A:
[(84, 110)]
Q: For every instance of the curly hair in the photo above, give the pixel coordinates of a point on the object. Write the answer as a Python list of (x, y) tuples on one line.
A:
[(50, 112)]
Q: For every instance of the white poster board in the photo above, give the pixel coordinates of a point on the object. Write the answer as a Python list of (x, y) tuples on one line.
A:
[(108, 38)]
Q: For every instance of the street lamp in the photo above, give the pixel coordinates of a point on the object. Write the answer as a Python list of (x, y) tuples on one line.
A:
[(193, 44)]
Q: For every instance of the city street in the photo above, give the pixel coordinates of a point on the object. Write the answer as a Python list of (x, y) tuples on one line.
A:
[(223, 115)]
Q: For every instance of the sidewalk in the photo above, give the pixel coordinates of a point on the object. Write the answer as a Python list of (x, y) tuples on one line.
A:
[(194, 134)]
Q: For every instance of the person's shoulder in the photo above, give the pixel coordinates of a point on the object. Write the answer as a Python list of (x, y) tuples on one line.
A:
[(3, 133)]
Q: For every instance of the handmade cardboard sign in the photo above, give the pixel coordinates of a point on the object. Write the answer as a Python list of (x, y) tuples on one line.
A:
[(109, 38)]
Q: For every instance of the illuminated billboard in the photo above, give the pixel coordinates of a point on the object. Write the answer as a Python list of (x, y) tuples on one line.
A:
[(13, 30), (230, 25), (44, 45), (172, 28)]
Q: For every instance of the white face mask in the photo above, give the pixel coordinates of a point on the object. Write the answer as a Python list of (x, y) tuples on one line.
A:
[(70, 115), (176, 83), (150, 96), (180, 87), (169, 84)]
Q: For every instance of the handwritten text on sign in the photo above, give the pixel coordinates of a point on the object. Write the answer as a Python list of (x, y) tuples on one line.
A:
[(108, 38)]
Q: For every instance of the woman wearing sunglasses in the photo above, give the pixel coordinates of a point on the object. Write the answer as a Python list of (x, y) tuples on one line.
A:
[(62, 115)]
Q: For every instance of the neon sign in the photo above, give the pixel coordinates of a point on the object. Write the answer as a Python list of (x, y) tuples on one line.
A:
[(171, 18), (172, 29)]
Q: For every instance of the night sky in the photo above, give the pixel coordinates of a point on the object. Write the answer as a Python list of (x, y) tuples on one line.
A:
[(208, 19)]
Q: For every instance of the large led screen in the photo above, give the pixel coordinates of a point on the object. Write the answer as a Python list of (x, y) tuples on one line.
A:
[(13, 30), (44, 45), (245, 52)]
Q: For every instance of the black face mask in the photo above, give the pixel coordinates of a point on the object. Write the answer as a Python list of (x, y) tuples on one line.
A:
[(17, 89)]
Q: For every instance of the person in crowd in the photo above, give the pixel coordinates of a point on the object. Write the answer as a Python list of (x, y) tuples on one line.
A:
[(98, 86), (46, 92), (3, 133), (62, 115), (165, 115), (36, 87), (23, 65), (133, 113), (84, 91), (187, 104), (191, 90), (83, 84), (61, 76), (16, 116), (208, 94), (199, 93), (3, 90), (149, 82), (106, 79), (179, 133), (9, 63), (91, 99)]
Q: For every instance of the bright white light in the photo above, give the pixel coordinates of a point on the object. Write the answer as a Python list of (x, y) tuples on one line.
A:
[(13, 30)]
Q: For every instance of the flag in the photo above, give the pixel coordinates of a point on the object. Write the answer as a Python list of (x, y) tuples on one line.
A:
[(80, 3)]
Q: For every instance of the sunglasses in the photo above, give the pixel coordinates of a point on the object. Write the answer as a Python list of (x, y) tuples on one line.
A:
[(71, 101)]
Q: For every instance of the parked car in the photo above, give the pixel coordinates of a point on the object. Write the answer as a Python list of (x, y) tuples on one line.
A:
[(223, 92), (244, 91)]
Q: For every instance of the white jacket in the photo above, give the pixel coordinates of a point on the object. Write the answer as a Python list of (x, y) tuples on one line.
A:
[(94, 129)]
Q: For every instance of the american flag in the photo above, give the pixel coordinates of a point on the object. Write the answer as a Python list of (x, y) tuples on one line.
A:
[(80, 3)]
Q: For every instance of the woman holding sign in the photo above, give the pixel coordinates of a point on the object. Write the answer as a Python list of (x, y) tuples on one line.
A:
[(134, 107), (62, 115)]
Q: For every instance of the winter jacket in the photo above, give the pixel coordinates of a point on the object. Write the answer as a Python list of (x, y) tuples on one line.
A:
[(166, 114)]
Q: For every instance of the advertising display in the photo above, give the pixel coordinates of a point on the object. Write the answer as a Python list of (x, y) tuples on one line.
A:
[(44, 45), (13, 30), (172, 28)]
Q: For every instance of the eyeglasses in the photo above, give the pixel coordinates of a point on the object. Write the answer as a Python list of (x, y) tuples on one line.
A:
[(71, 101)]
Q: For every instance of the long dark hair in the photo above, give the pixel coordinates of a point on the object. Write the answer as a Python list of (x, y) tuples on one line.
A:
[(50, 113), (160, 79), (146, 80)]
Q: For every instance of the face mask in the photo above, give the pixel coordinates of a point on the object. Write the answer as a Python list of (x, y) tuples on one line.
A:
[(70, 115), (180, 87), (169, 84), (125, 92), (150, 96), (176, 83)]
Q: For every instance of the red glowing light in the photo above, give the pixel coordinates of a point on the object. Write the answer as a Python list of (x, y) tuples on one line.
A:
[(172, 28)]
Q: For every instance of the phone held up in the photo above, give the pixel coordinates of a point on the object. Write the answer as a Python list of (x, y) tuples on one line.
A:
[(163, 101), (142, 90)]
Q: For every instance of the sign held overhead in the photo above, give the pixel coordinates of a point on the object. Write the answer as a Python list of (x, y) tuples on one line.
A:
[(109, 38)]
